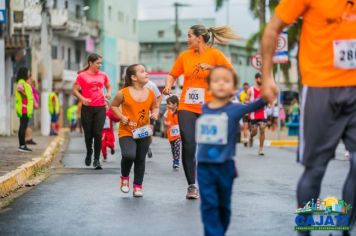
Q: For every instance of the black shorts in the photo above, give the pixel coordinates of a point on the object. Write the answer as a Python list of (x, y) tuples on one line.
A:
[(328, 115), (258, 122)]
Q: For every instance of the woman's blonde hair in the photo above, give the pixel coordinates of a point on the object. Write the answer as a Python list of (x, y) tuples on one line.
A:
[(221, 34)]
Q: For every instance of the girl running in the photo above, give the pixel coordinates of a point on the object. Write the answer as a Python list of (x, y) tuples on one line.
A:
[(172, 128), (216, 138), (91, 81), (195, 64), (136, 103)]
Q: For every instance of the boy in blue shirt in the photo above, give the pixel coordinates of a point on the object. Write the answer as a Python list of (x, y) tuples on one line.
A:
[(216, 138)]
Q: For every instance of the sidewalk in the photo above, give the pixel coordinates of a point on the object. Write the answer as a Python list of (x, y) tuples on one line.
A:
[(16, 168), (11, 159)]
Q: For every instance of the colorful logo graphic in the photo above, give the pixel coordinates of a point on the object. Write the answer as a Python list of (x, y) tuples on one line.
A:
[(327, 214)]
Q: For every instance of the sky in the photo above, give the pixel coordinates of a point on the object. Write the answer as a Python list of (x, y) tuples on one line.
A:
[(239, 18)]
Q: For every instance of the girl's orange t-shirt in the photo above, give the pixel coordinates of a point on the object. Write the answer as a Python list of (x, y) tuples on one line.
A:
[(172, 119), (195, 87), (136, 112)]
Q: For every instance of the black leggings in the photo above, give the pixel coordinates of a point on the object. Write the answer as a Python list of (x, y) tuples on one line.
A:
[(310, 183), (22, 129), (134, 151), (187, 121), (93, 119)]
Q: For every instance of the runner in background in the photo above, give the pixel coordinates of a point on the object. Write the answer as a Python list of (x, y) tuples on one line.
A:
[(158, 95), (245, 119), (89, 89), (72, 118), (327, 63), (195, 64), (258, 118), (172, 127)]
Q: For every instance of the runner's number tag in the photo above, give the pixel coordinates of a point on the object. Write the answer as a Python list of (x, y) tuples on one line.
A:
[(107, 123), (195, 96), (212, 129), (174, 131), (142, 132), (345, 54)]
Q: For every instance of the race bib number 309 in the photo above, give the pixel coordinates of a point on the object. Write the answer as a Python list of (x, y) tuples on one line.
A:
[(345, 54), (212, 129)]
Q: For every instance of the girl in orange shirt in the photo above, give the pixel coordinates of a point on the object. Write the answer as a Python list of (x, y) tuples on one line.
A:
[(172, 127), (136, 102), (195, 64)]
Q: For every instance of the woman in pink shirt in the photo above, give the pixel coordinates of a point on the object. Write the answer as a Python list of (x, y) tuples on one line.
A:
[(89, 88)]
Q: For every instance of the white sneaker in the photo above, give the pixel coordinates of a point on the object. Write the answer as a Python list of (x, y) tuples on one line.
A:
[(125, 187), (137, 191)]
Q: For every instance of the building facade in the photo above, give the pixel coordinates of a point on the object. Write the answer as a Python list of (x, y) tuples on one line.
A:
[(118, 42)]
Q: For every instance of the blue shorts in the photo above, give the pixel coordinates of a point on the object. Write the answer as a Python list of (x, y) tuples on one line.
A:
[(54, 118)]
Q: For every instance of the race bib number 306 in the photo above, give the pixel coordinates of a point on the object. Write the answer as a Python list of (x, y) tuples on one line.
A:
[(212, 129), (195, 96), (345, 54), (142, 132)]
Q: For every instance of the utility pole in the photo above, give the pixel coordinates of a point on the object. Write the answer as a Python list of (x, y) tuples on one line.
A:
[(47, 69), (177, 34)]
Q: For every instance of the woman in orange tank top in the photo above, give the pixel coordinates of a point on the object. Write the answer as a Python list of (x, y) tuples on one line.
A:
[(137, 103), (195, 64)]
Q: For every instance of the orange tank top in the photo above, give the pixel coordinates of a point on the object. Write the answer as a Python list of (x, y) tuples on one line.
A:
[(172, 118), (136, 112)]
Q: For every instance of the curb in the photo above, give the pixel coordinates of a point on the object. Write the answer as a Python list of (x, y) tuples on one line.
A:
[(17, 178), (281, 143)]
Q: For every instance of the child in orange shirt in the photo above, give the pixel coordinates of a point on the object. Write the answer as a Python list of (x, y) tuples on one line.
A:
[(136, 102), (172, 128)]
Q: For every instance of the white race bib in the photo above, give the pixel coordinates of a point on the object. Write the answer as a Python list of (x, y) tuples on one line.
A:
[(142, 132), (212, 129), (345, 54), (174, 130), (107, 123), (195, 96)]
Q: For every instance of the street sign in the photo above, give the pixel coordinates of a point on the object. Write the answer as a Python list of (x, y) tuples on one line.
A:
[(2, 12), (281, 53), (256, 61)]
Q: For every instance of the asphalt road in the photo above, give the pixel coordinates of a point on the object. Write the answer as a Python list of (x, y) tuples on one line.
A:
[(76, 200)]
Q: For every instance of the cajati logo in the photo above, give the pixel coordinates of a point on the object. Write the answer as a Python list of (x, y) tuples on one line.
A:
[(327, 214)]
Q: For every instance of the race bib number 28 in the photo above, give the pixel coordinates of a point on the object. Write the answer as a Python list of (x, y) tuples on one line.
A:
[(345, 54)]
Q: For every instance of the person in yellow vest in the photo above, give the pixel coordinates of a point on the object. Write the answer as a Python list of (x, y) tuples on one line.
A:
[(24, 106), (72, 116), (54, 108), (245, 119)]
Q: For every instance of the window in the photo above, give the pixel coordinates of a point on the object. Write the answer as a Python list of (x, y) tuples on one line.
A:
[(134, 25), (54, 52), (120, 16), (66, 5), (77, 56), (54, 4), (234, 58), (109, 12), (77, 11), (69, 61), (160, 33), (63, 53)]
